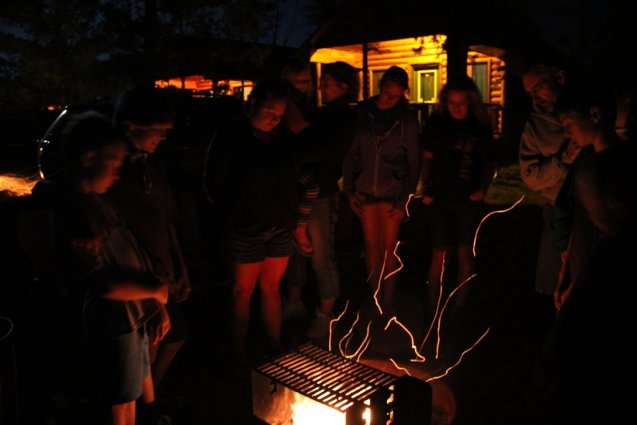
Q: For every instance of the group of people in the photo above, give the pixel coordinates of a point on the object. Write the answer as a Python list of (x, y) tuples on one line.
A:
[(116, 251), (262, 172), (576, 151), (275, 177)]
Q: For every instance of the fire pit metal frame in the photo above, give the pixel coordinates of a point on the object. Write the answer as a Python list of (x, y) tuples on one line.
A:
[(326, 377)]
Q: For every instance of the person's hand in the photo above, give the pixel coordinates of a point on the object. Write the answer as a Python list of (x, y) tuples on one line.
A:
[(477, 196), (159, 326), (396, 214), (182, 288), (563, 284), (355, 204), (162, 293), (572, 150), (427, 199), (92, 245), (558, 299)]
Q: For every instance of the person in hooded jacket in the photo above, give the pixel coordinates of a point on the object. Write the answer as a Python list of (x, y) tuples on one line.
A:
[(380, 173)]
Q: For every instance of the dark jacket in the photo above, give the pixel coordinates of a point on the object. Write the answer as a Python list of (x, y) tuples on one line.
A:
[(383, 161), (463, 156), (325, 142), (78, 222), (251, 181)]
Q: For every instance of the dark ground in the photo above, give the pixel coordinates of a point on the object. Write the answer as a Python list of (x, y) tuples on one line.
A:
[(493, 384)]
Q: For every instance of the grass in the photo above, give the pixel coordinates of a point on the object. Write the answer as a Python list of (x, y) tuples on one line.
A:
[(507, 188)]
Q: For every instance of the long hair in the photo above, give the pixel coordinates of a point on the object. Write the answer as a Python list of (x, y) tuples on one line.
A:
[(464, 83)]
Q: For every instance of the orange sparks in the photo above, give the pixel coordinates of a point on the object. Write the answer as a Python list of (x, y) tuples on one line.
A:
[(435, 316), (475, 237), (453, 366), (399, 260), (380, 279), (444, 307), (411, 196), (336, 320), (419, 357), (399, 367), (348, 335), (361, 348)]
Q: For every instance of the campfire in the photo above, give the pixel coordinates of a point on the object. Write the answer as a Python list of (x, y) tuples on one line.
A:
[(16, 186), (309, 385)]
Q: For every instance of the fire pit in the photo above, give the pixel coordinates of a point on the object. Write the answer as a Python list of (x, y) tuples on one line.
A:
[(309, 385)]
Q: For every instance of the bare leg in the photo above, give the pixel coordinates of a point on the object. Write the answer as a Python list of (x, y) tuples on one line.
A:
[(148, 390), (166, 352), (123, 414), (326, 306), (245, 280), (269, 282), (293, 293), (374, 255), (389, 232)]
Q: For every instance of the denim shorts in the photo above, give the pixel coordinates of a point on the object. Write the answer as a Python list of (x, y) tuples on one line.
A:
[(244, 249), (123, 363)]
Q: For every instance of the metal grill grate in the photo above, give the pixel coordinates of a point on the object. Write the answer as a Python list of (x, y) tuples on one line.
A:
[(326, 377)]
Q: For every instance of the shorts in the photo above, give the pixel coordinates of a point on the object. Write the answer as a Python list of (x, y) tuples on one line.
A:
[(122, 364), (454, 223), (244, 249)]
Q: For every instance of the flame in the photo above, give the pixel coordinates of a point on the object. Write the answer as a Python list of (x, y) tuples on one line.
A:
[(306, 411), (17, 186)]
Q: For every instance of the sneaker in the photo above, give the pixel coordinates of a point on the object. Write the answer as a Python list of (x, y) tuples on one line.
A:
[(165, 420), (320, 327), (293, 310)]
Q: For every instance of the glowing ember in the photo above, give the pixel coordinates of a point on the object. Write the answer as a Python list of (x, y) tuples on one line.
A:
[(13, 185)]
